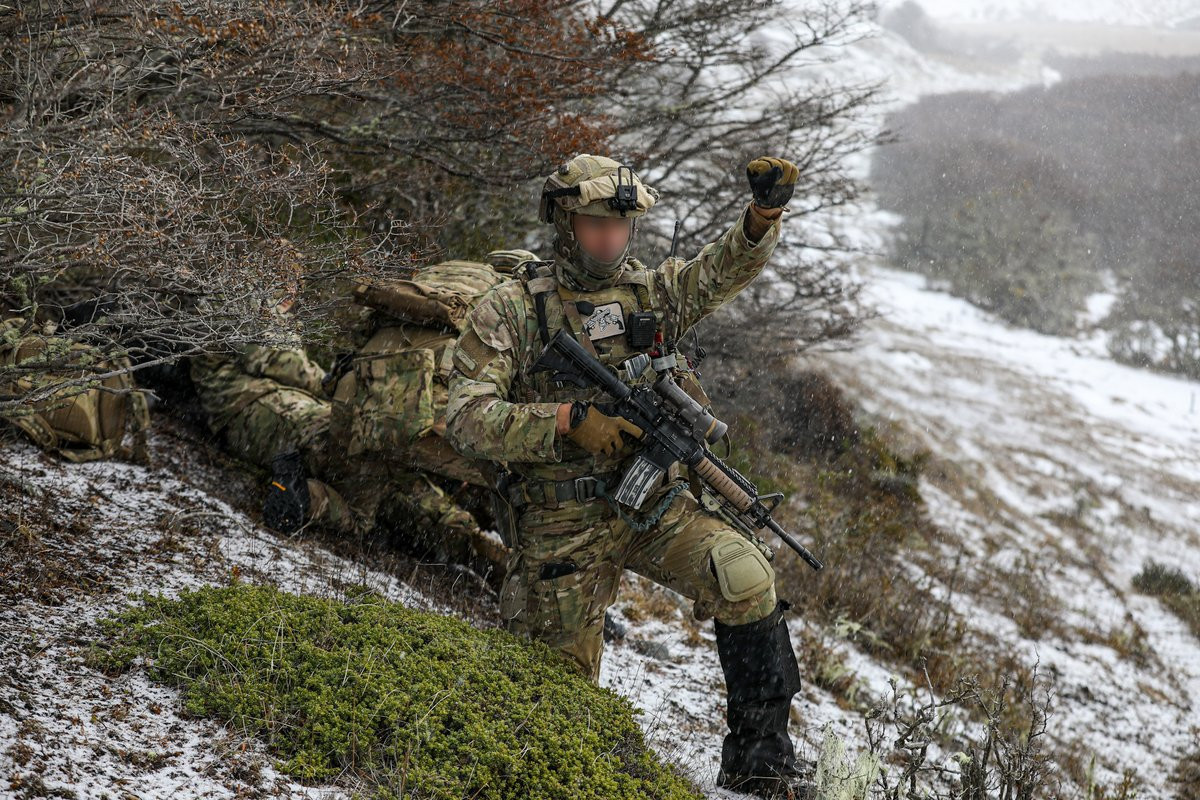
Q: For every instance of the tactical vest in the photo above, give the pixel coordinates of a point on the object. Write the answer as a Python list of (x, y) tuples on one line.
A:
[(606, 331)]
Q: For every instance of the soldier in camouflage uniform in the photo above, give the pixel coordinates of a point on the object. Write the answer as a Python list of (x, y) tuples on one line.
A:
[(560, 449), (264, 403), (391, 466), (389, 412), (268, 408)]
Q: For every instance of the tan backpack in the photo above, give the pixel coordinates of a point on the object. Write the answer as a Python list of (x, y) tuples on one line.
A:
[(79, 425), (440, 295), (393, 391)]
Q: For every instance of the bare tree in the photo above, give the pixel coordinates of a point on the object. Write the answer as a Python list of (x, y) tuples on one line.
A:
[(174, 172), (1006, 758), (731, 80)]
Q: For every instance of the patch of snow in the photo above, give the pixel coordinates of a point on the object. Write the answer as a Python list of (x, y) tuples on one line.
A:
[(1093, 467)]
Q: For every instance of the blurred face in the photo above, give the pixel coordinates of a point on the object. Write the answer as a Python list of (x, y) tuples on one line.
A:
[(604, 238)]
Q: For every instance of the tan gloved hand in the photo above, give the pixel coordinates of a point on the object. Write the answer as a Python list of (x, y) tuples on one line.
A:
[(772, 181), (600, 434)]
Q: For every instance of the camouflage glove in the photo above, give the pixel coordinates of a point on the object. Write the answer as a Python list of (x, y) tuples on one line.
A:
[(597, 432), (772, 181)]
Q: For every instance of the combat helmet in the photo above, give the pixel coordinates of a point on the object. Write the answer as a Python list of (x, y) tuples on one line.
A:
[(595, 186)]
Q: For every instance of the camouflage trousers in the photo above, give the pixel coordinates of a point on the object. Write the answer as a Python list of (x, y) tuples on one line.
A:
[(257, 417), (282, 418), (285, 418), (407, 495), (565, 570)]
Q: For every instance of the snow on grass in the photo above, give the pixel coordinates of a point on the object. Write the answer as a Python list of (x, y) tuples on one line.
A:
[(1070, 465), (95, 536), (1149, 13), (109, 531)]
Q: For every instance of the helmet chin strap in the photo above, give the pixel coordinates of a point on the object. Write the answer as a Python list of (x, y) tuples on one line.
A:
[(578, 268)]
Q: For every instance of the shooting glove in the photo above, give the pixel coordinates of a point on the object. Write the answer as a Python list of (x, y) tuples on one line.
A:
[(772, 181), (597, 432)]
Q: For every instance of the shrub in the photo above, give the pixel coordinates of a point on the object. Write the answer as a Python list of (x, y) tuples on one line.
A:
[(1176, 590), (410, 703)]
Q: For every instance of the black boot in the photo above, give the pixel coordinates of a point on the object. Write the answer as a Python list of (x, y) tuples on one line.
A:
[(286, 506), (761, 675)]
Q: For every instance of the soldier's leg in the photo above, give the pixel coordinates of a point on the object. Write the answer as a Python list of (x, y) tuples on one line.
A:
[(294, 500), (278, 421), (287, 430), (563, 575), (700, 556), (432, 524), (328, 507), (729, 578)]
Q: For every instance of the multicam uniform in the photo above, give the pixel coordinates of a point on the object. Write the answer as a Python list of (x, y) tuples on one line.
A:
[(571, 543), (501, 411), (264, 401), (379, 441)]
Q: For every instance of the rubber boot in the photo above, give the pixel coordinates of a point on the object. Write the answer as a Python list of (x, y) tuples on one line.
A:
[(761, 675)]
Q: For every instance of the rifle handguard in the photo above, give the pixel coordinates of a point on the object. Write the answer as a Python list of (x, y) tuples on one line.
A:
[(723, 484)]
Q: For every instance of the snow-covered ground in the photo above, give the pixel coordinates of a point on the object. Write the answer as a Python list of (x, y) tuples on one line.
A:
[(80, 541), (1090, 469), (1061, 462), (1144, 13), (1053, 456)]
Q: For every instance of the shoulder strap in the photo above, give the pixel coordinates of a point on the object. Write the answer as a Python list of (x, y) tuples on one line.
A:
[(640, 279), (539, 283)]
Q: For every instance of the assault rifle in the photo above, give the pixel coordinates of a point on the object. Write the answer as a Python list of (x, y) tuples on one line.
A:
[(675, 428)]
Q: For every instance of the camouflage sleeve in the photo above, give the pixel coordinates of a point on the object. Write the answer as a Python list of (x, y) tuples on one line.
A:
[(698, 287), (480, 421)]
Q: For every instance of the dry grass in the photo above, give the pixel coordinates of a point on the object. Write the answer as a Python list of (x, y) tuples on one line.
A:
[(1176, 590), (892, 576), (1186, 776)]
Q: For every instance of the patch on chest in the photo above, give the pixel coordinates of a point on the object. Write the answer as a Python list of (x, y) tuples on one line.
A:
[(605, 321)]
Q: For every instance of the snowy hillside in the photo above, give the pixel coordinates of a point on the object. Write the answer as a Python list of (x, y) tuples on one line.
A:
[(1148, 13), (1048, 458), (1034, 432), (1049, 463), (1071, 467), (81, 541)]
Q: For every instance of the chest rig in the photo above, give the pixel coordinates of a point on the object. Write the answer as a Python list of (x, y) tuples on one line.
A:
[(612, 324)]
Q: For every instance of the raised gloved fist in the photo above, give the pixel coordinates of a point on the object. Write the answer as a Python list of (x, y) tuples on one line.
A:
[(772, 181), (597, 432)]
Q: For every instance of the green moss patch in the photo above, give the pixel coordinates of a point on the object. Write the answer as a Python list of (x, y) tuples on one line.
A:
[(411, 704)]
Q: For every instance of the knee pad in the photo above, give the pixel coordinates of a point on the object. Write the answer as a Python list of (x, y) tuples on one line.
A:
[(742, 570)]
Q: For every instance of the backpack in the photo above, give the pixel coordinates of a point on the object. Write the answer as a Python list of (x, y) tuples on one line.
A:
[(82, 425), (439, 296), (395, 389)]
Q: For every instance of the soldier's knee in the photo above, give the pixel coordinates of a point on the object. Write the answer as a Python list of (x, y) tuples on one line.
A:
[(745, 581), (742, 571)]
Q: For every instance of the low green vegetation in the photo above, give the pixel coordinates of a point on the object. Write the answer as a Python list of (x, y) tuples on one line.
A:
[(401, 702)]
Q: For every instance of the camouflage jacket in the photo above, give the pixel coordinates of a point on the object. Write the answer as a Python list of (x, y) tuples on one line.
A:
[(500, 410)]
